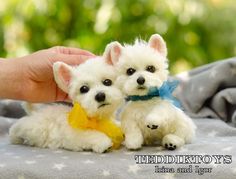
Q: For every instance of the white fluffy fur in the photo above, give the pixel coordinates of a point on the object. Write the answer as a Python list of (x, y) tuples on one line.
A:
[(47, 127), (174, 127)]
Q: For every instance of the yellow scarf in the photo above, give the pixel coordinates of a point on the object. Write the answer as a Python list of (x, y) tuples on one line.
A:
[(78, 118)]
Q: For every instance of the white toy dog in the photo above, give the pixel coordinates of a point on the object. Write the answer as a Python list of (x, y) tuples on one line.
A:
[(89, 84), (148, 118)]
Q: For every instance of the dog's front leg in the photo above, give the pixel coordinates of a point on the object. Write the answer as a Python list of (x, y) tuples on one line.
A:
[(87, 140), (158, 117), (133, 134), (183, 130)]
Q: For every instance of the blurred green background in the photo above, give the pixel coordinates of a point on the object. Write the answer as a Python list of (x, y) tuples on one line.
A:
[(197, 31)]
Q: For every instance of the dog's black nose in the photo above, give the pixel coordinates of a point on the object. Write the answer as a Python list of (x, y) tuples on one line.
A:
[(141, 80), (100, 97)]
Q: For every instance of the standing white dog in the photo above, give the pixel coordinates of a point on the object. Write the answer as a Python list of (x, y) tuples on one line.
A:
[(147, 118), (89, 84)]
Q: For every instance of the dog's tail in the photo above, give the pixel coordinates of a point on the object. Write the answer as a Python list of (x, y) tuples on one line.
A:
[(28, 107), (14, 134), (31, 107)]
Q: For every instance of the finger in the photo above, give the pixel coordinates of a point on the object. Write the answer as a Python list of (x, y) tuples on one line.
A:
[(68, 100), (72, 59), (72, 51), (77, 51)]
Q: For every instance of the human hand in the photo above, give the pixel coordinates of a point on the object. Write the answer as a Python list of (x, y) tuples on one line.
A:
[(30, 78)]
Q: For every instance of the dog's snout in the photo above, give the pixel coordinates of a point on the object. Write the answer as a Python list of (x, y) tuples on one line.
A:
[(141, 80), (100, 97)]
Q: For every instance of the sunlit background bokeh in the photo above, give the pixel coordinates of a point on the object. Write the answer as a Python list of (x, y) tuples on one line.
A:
[(197, 31)]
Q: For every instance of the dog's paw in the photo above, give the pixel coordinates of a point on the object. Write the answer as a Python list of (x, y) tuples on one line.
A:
[(133, 143), (103, 145), (152, 126), (170, 146), (172, 142), (152, 122)]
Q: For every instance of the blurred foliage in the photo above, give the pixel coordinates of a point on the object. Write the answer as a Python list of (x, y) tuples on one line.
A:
[(196, 31)]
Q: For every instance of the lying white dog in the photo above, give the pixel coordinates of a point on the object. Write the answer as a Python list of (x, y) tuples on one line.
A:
[(148, 118), (89, 84)]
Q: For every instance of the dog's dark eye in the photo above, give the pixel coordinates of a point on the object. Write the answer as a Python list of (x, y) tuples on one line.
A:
[(151, 68), (84, 89), (130, 71), (107, 82)]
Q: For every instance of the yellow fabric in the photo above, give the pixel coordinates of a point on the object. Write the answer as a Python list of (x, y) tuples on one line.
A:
[(78, 118)]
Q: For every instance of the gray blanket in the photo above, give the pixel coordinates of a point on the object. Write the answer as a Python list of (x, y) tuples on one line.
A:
[(214, 137), (207, 95), (210, 90)]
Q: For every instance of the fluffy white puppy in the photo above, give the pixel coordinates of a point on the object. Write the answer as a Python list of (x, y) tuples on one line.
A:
[(89, 84), (140, 67)]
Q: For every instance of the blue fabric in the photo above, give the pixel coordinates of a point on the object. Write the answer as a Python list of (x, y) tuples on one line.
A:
[(164, 92)]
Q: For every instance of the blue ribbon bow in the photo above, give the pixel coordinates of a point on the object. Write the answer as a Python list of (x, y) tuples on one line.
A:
[(164, 92)]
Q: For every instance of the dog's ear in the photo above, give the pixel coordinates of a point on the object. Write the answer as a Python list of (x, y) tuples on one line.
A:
[(62, 75), (112, 52), (158, 43)]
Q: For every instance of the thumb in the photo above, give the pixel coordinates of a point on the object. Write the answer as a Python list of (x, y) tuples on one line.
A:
[(73, 59)]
